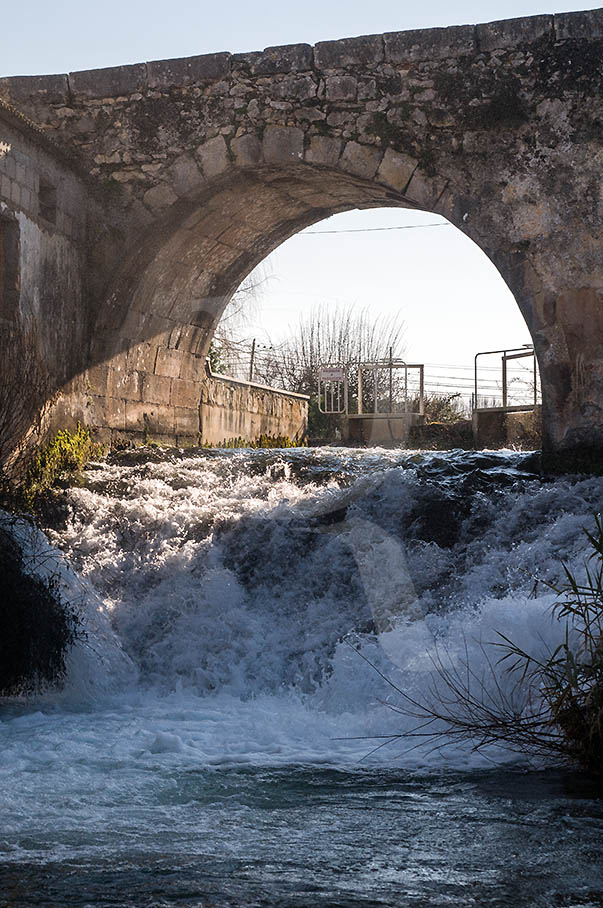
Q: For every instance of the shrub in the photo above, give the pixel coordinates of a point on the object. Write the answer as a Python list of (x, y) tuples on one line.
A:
[(553, 705), (68, 452)]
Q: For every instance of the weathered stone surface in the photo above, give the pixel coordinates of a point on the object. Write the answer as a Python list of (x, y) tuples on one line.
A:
[(185, 393), (186, 178), (429, 44), (214, 156), (324, 150), (282, 59), (396, 169), (583, 25), (188, 70), (362, 160), (246, 150), (283, 144), (356, 52), (342, 88), (160, 196), (49, 89), (108, 83), (156, 389), (513, 32)]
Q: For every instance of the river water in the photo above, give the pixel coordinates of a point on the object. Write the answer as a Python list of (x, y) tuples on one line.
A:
[(214, 743)]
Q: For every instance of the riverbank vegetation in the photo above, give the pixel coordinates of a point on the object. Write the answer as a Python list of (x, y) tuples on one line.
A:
[(61, 459), (540, 705)]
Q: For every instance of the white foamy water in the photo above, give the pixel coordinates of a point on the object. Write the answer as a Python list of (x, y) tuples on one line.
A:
[(226, 597)]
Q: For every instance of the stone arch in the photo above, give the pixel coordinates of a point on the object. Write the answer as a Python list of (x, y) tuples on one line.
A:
[(154, 328), (495, 126)]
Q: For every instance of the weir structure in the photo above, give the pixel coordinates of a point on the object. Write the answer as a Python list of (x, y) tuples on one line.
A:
[(139, 197)]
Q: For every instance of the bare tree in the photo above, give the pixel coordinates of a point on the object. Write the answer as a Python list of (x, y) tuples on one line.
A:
[(327, 335)]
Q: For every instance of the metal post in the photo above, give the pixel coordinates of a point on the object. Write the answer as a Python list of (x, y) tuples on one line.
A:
[(359, 389), (346, 403), (421, 390), (375, 371), (391, 380), (504, 380), (251, 359)]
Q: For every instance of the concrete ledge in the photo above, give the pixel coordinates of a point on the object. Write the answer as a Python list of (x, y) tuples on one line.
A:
[(228, 379), (286, 58), (349, 52), (512, 32), (188, 70), (429, 44), (108, 83), (584, 25)]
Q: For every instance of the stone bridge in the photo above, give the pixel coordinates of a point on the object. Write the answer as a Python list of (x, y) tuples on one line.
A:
[(191, 171)]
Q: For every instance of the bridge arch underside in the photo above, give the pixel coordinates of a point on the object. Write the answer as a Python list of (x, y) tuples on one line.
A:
[(154, 328)]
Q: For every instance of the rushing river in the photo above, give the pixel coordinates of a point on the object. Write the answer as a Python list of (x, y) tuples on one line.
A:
[(214, 744)]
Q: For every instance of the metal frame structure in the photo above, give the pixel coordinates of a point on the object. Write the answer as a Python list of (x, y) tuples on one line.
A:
[(390, 365), (511, 353)]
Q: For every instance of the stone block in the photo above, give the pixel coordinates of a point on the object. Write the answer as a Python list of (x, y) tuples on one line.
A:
[(355, 52), (512, 32), (213, 156), (47, 89), (97, 380), (124, 384), (425, 191), (108, 83), (429, 44), (168, 362), (193, 367), (279, 59), (148, 418), (188, 70), (247, 150), (156, 389), (283, 144), (361, 160), (295, 88), (141, 357), (185, 177), (185, 393), (586, 25), (324, 150), (396, 169), (186, 420), (160, 196), (341, 88)]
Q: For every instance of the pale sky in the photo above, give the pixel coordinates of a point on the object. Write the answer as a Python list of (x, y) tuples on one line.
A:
[(451, 297)]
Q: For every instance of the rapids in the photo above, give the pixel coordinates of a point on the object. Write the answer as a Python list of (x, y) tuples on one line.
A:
[(214, 742)]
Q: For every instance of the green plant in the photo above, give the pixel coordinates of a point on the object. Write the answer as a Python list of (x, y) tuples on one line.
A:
[(553, 705), (68, 452), (264, 441)]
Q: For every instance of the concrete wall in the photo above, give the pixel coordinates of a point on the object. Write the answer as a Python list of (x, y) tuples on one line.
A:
[(381, 430), (496, 428), (233, 409)]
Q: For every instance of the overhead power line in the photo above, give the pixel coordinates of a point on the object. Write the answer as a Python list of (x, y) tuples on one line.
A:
[(371, 229)]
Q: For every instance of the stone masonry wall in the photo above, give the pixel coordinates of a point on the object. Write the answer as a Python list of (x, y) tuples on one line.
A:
[(204, 165), (44, 319)]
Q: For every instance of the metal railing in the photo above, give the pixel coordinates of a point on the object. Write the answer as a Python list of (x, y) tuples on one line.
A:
[(509, 355)]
